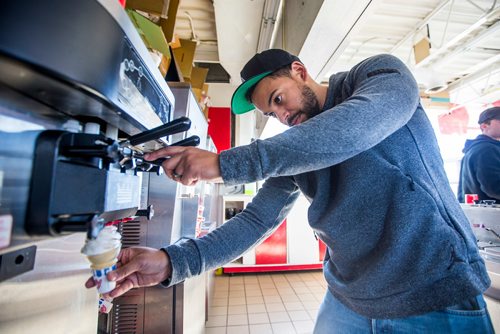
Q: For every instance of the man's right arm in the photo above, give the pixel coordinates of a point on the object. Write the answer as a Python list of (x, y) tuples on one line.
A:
[(381, 97)]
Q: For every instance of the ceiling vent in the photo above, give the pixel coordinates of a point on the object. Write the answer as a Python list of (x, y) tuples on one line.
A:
[(216, 73)]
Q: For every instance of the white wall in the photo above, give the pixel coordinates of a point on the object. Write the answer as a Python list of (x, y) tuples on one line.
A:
[(220, 94)]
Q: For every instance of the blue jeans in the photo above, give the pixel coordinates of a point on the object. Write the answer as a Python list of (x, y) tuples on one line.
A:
[(469, 317)]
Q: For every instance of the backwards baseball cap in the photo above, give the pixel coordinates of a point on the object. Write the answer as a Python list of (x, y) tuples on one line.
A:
[(257, 68), (489, 114)]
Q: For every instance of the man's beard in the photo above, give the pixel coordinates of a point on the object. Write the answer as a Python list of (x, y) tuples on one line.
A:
[(310, 105)]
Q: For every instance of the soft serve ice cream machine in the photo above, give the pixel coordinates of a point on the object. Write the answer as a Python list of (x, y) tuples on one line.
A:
[(81, 101), (96, 110)]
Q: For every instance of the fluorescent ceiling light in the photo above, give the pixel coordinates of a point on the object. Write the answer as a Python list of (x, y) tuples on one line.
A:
[(267, 27)]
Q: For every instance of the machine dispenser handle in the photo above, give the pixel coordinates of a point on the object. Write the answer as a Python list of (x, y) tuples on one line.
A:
[(190, 141), (179, 125), (148, 212)]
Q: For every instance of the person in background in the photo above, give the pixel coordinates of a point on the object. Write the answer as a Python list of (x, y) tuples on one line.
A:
[(480, 167), (401, 255)]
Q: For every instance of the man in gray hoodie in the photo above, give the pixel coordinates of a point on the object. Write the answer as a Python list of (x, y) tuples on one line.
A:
[(400, 252), (480, 167)]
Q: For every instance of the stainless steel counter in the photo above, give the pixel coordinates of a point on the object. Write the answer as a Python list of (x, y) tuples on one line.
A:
[(485, 222)]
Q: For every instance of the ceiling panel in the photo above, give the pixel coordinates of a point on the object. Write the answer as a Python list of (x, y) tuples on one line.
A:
[(464, 36), (195, 21)]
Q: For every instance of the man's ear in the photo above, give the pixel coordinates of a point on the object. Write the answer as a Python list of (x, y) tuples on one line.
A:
[(483, 126), (299, 69)]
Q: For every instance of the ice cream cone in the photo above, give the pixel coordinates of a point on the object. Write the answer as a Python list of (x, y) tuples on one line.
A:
[(103, 260), (102, 253)]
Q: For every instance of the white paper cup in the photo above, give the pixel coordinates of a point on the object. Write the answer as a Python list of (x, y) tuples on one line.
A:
[(101, 281), (105, 305)]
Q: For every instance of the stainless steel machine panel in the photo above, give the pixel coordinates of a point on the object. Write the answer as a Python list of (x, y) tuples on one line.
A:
[(485, 222), (51, 298)]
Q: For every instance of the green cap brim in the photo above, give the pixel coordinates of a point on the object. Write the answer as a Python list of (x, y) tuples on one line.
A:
[(239, 102)]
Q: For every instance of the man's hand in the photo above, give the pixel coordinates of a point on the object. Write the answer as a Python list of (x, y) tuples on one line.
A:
[(188, 165), (137, 267)]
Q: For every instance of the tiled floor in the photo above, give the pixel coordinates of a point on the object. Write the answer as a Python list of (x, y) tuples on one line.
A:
[(279, 303)]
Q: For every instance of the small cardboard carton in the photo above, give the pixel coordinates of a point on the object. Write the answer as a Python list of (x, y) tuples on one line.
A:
[(198, 77), (422, 50), (184, 57)]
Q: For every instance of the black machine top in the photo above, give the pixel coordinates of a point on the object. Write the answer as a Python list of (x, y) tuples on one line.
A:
[(82, 59)]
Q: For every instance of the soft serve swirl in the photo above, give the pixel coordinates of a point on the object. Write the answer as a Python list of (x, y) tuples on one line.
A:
[(108, 238)]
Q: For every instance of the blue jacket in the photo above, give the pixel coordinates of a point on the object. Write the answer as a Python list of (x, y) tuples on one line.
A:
[(480, 169), (397, 240)]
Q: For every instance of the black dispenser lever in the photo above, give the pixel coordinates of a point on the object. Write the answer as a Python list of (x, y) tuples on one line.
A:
[(190, 141), (179, 125)]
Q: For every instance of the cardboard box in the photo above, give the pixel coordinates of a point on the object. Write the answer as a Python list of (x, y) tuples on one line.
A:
[(155, 7), (184, 57), (198, 77), (168, 24), (153, 38), (422, 50), (175, 42), (151, 34), (162, 62), (164, 10), (201, 95), (164, 65), (197, 94), (206, 102)]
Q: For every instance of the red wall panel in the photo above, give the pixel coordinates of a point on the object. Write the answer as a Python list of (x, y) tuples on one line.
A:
[(455, 121), (322, 250), (219, 127), (273, 249)]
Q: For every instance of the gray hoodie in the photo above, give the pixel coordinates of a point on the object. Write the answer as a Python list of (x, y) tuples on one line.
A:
[(398, 243)]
